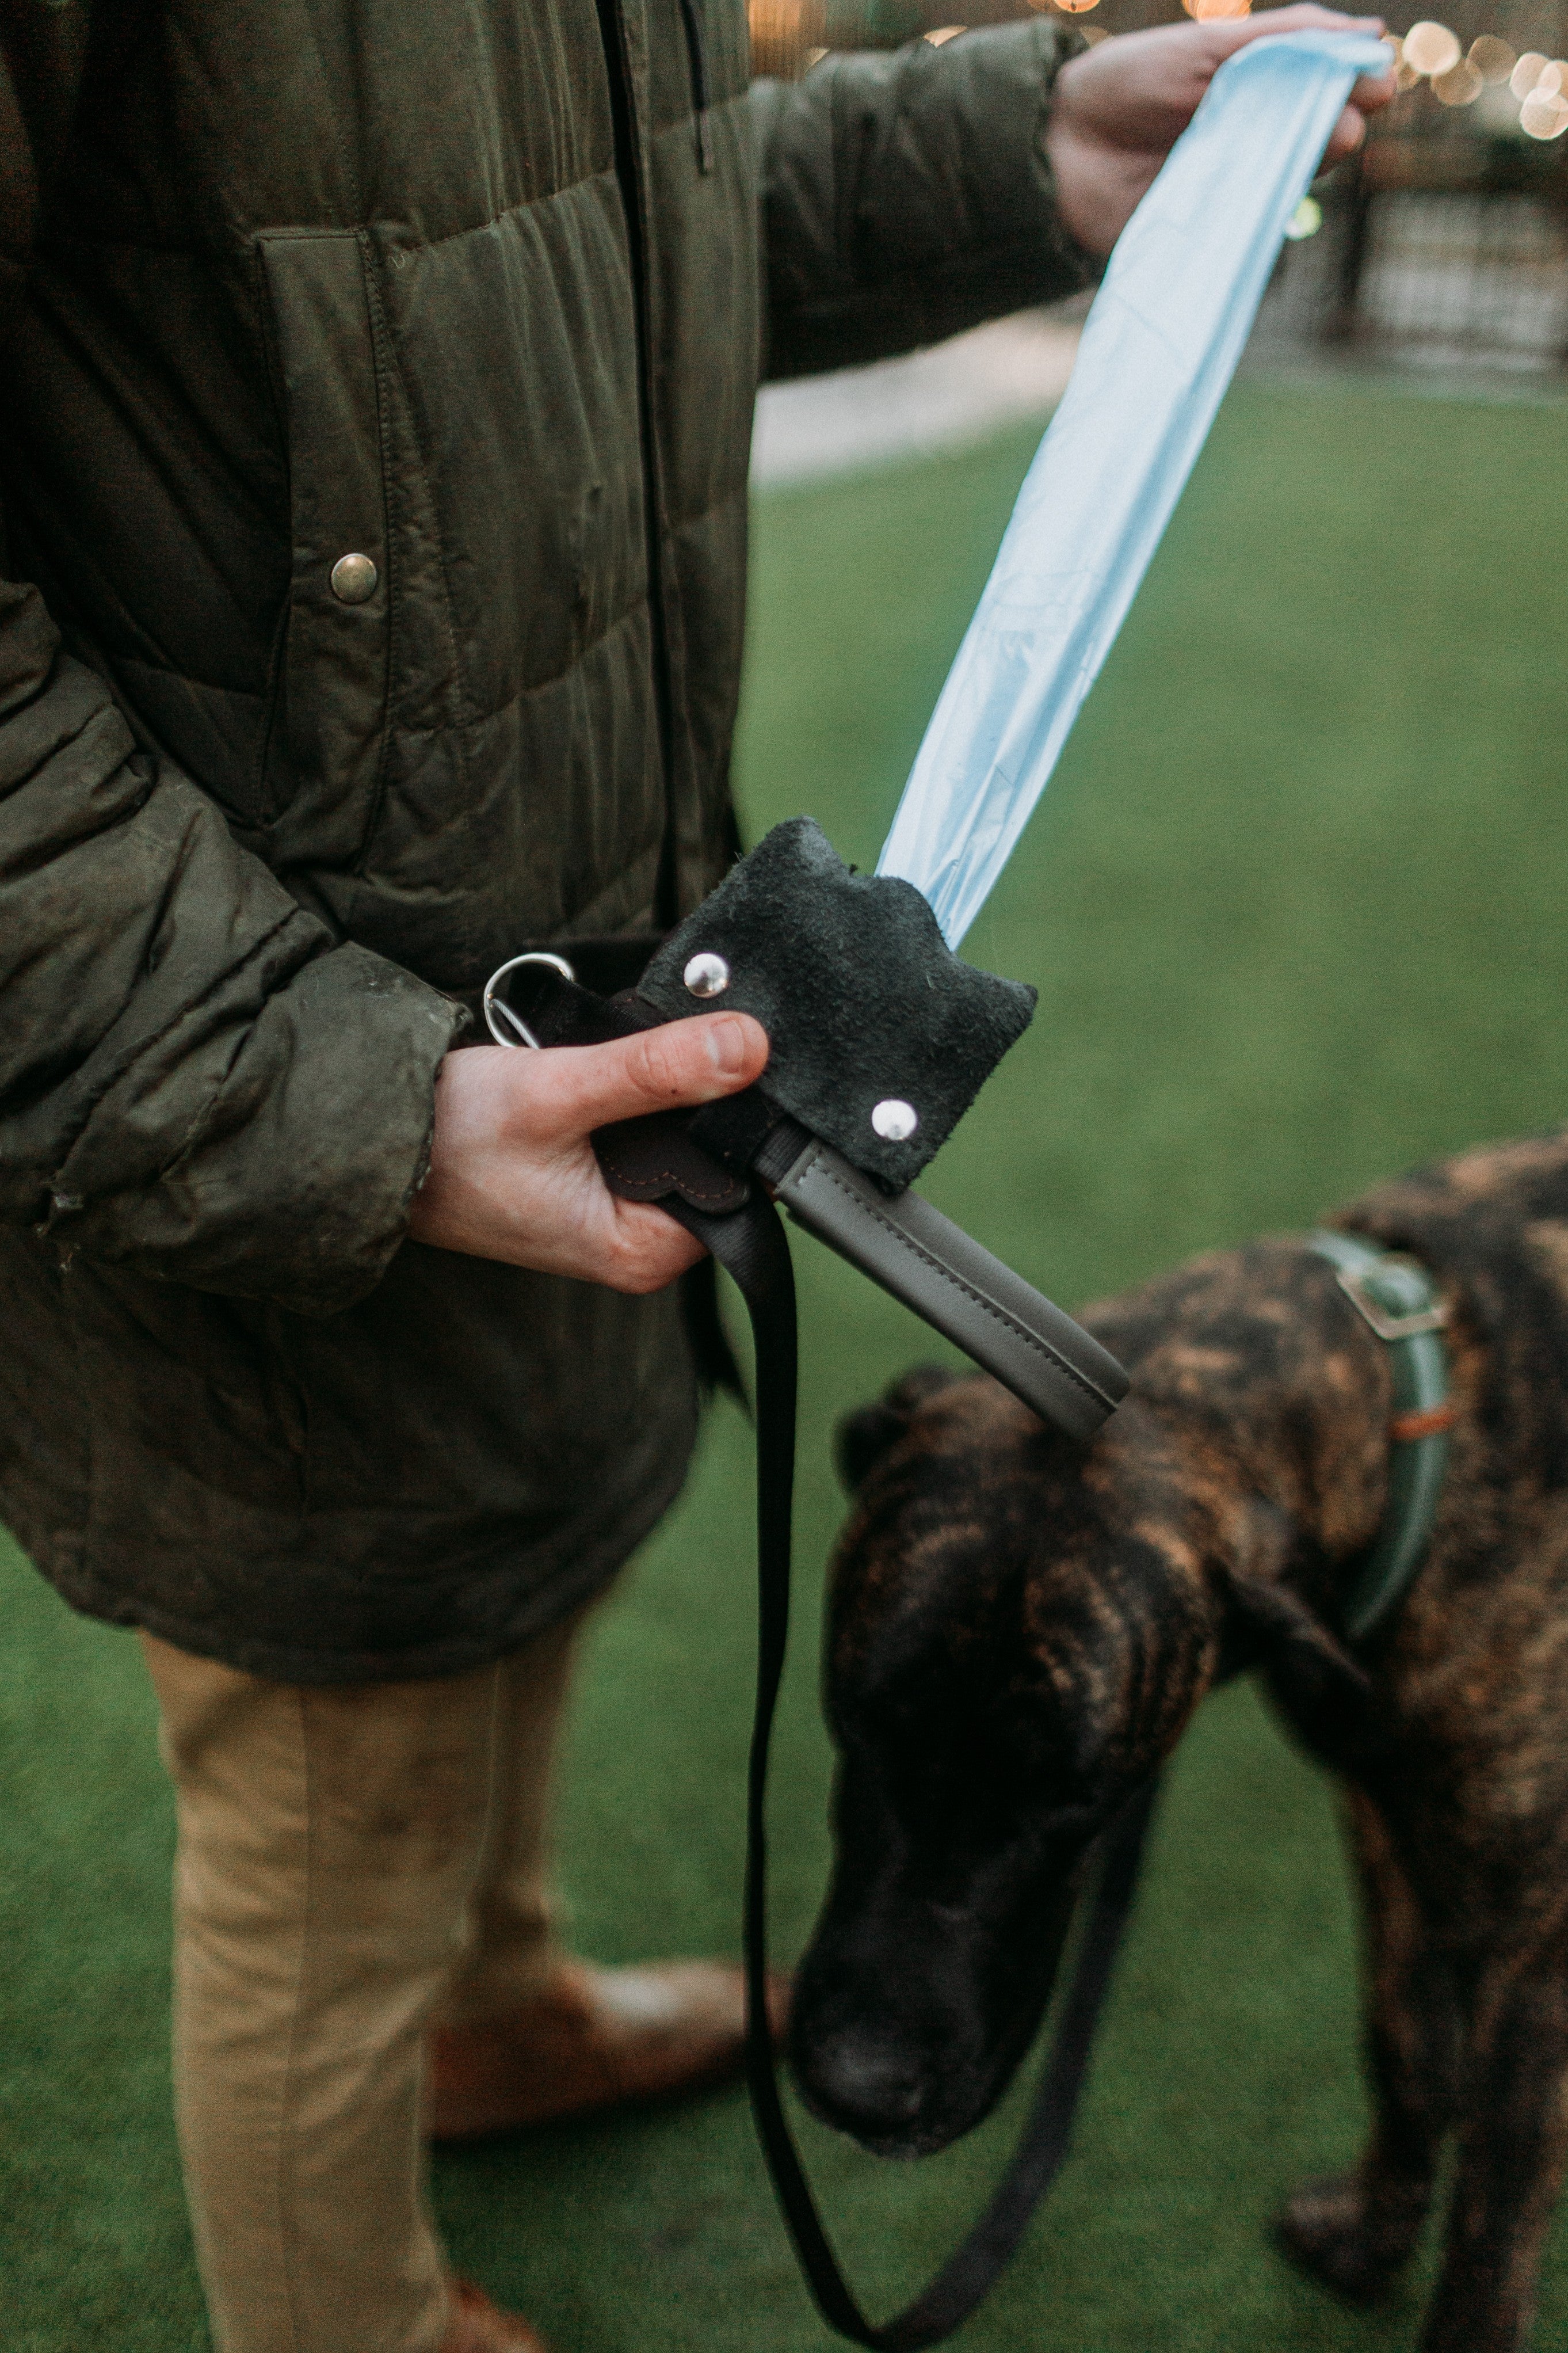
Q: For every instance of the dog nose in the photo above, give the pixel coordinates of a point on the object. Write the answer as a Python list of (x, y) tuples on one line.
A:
[(864, 2084)]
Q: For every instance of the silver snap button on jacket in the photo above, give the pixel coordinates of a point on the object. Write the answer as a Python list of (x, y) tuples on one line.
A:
[(353, 578)]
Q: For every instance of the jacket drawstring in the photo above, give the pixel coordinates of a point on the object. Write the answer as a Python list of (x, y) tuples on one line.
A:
[(697, 54)]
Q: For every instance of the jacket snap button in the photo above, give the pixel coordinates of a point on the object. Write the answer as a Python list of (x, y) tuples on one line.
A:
[(353, 578)]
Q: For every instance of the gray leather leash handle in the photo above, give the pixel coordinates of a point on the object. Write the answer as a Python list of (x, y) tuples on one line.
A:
[(1001, 1322)]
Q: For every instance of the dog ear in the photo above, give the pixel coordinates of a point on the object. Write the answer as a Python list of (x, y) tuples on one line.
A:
[(864, 1437), (1311, 1667), (1309, 1664)]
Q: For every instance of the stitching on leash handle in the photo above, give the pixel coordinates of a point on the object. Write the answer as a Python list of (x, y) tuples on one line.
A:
[(819, 1166), (906, 1245), (750, 1243)]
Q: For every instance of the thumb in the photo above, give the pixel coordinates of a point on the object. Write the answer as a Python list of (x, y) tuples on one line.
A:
[(679, 1064)]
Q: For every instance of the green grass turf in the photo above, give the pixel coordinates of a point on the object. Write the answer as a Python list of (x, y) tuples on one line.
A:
[(1293, 904)]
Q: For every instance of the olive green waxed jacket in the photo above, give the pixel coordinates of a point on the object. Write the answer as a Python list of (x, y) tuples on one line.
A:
[(476, 292)]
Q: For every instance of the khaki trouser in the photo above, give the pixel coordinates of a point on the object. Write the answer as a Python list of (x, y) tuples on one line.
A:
[(352, 1861)]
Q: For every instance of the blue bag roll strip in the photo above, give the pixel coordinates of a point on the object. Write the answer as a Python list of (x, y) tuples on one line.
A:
[(1158, 349)]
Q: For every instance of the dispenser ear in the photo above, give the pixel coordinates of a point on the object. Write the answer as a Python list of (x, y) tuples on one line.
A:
[(864, 1436)]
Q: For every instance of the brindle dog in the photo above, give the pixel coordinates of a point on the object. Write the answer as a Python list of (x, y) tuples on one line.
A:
[(1020, 1629)]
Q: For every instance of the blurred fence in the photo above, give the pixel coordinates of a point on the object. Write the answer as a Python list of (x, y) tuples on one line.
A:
[(1434, 277), (1446, 242)]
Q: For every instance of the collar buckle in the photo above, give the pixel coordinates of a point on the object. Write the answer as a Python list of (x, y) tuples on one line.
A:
[(1368, 1291)]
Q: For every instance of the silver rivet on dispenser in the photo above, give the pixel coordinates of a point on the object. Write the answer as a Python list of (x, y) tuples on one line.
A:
[(895, 1121), (707, 975)]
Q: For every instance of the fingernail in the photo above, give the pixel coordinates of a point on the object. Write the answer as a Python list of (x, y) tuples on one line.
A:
[(727, 1047)]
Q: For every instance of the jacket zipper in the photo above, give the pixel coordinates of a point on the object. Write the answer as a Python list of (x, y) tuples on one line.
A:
[(697, 58), (628, 176)]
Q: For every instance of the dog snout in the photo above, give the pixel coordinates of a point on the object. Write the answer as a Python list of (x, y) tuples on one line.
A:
[(862, 2081)]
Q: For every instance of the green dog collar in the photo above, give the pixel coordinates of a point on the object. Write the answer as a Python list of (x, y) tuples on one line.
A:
[(1396, 1298)]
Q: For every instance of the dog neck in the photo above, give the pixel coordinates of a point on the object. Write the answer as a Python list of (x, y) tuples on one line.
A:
[(1277, 1398)]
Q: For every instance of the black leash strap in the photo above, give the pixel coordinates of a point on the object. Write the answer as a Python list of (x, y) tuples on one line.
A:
[(750, 1244), (1059, 1371)]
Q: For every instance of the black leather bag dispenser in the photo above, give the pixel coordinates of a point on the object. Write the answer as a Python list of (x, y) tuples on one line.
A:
[(880, 1041)]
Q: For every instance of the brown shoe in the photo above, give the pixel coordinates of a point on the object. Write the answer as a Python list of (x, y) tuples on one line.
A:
[(594, 2039), (480, 2326)]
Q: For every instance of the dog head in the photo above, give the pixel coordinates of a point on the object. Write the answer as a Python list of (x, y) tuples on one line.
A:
[(1018, 1631)]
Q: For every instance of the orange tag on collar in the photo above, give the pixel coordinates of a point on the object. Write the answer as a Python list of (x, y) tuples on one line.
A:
[(1428, 1423)]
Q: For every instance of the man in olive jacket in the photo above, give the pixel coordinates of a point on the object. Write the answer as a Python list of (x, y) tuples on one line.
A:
[(377, 388)]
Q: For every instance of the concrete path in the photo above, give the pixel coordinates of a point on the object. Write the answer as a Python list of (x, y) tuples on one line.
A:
[(938, 399), (1017, 368)]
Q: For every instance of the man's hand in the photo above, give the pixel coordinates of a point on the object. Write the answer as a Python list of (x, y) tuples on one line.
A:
[(512, 1174), (1117, 113)]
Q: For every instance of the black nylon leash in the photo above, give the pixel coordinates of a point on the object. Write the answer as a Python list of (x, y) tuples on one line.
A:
[(750, 1243), (661, 1158)]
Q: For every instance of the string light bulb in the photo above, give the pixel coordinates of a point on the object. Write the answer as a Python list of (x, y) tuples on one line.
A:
[(1492, 58), (1460, 86), (1431, 48), (1544, 114)]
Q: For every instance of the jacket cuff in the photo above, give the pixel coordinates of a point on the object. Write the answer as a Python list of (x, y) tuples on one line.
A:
[(295, 1182)]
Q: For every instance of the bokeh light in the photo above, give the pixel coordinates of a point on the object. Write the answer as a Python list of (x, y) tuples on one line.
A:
[(1544, 114), (1209, 12), (1492, 59), (784, 33), (1305, 221), (1527, 73), (1460, 86), (1431, 48)]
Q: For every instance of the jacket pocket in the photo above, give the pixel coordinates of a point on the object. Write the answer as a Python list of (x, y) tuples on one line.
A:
[(328, 724)]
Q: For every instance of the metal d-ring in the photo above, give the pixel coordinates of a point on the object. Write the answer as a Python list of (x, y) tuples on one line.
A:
[(496, 1009)]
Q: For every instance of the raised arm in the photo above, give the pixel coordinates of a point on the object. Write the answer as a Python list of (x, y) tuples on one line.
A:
[(910, 194)]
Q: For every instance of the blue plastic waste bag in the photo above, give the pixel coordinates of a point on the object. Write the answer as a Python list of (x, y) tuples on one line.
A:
[(1160, 347)]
